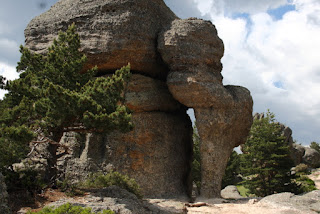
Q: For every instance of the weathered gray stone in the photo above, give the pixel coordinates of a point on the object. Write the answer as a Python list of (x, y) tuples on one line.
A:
[(311, 157), (193, 51), (308, 203), (113, 32), (3, 196), (297, 152), (230, 192), (306, 155), (115, 199)]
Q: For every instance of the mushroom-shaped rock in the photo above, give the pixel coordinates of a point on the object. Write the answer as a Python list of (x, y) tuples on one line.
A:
[(193, 52), (113, 33)]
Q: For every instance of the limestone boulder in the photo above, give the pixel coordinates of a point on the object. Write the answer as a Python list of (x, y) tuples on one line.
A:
[(230, 192), (112, 32), (306, 155), (311, 157)]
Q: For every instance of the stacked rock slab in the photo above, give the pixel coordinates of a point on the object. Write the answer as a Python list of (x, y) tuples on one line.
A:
[(193, 51), (159, 46)]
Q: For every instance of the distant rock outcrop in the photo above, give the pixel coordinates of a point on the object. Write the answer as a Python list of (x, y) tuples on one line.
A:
[(159, 46), (3, 196), (306, 155)]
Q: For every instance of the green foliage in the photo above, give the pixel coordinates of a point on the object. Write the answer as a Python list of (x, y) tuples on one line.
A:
[(69, 209), (27, 179), (315, 146), (196, 163), (99, 180), (245, 192), (69, 188), (53, 95), (266, 162), (232, 170), (13, 144), (304, 184), (301, 168)]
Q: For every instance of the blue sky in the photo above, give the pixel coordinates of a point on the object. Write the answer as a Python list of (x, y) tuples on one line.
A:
[(271, 47)]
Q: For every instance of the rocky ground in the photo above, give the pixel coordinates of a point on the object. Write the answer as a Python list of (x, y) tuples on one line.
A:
[(124, 202), (315, 176)]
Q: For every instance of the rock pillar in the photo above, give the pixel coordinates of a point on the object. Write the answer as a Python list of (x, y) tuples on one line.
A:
[(223, 114)]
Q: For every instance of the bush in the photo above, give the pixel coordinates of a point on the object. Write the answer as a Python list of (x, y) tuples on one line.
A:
[(232, 170), (301, 168), (69, 209), (100, 180), (304, 184)]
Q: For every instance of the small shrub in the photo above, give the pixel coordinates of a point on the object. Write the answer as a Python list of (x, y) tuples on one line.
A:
[(69, 209), (69, 188), (27, 179), (304, 184), (301, 168), (100, 180), (245, 192)]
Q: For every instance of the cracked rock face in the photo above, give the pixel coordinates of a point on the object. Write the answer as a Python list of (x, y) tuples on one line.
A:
[(223, 114)]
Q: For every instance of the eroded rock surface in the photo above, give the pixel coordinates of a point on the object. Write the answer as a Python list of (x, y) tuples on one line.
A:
[(309, 203), (112, 32), (193, 52), (159, 46), (157, 154)]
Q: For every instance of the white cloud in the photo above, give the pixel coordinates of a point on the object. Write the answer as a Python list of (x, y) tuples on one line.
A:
[(228, 7), (9, 50), (9, 72), (283, 52)]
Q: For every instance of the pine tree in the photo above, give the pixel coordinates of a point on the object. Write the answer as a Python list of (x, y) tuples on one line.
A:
[(232, 170), (54, 95), (315, 146), (266, 162)]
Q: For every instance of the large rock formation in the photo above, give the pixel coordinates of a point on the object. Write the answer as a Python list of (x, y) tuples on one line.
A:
[(193, 52), (159, 46)]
